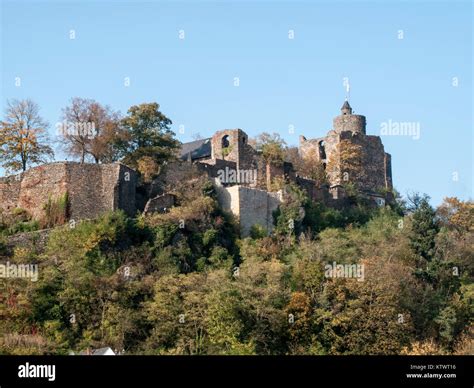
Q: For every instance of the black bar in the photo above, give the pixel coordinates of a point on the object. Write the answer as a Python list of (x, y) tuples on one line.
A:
[(290, 371)]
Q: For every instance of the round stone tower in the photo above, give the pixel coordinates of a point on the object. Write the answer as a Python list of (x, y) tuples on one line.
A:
[(346, 121)]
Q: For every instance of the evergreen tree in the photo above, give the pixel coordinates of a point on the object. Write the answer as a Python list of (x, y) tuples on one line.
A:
[(425, 227)]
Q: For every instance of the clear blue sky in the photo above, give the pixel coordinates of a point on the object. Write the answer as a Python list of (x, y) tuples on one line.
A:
[(283, 81)]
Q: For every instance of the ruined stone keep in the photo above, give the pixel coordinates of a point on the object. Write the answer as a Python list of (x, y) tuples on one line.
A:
[(347, 154)]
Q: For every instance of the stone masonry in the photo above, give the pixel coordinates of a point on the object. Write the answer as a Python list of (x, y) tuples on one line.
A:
[(92, 189), (347, 153), (374, 172), (250, 206)]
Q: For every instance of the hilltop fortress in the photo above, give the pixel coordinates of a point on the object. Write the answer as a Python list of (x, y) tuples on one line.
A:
[(242, 177)]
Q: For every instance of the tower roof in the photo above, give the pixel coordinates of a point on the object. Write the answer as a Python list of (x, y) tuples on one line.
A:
[(346, 105), (346, 108)]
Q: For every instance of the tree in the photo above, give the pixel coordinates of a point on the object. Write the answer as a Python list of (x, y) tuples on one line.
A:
[(23, 136), (148, 135), (263, 297), (457, 215), (90, 129), (224, 325), (301, 319), (272, 147), (365, 317), (102, 145), (290, 214), (425, 227), (177, 313)]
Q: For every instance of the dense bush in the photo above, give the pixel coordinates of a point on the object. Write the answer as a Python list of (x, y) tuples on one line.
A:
[(181, 282), (17, 221)]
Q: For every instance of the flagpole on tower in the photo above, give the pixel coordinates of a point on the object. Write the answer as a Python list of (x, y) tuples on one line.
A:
[(347, 86)]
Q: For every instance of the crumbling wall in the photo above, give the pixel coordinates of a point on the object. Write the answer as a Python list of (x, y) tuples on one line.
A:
[(333, 160), (317, 193), (160, 203), (39, 184), (371, 173), (177, 172), (125, 188), (217, 168), (92, 189), (310, 148), (274, 171), (97, 188), (184, 180), (232, 145), (10, 192), (388, 171), (279, 171)]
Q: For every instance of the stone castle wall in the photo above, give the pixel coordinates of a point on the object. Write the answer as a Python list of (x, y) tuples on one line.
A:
[(251, 206), (232, 145), (310, 148), (257, 207), (92, 189), (370, 171), (388, 171), (372, 176), (97, 188), (10, 192), (350, 122), (39, 184)]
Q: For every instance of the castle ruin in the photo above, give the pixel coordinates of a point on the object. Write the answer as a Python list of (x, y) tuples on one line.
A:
[(347, 155), (242, 177)]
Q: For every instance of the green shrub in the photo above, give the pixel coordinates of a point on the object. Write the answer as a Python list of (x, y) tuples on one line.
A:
[(16, 221), (56, 211), (257, 231), (23, 226)]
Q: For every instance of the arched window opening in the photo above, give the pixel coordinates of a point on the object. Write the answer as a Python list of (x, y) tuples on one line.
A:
[(322, 150), (225, 141)]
